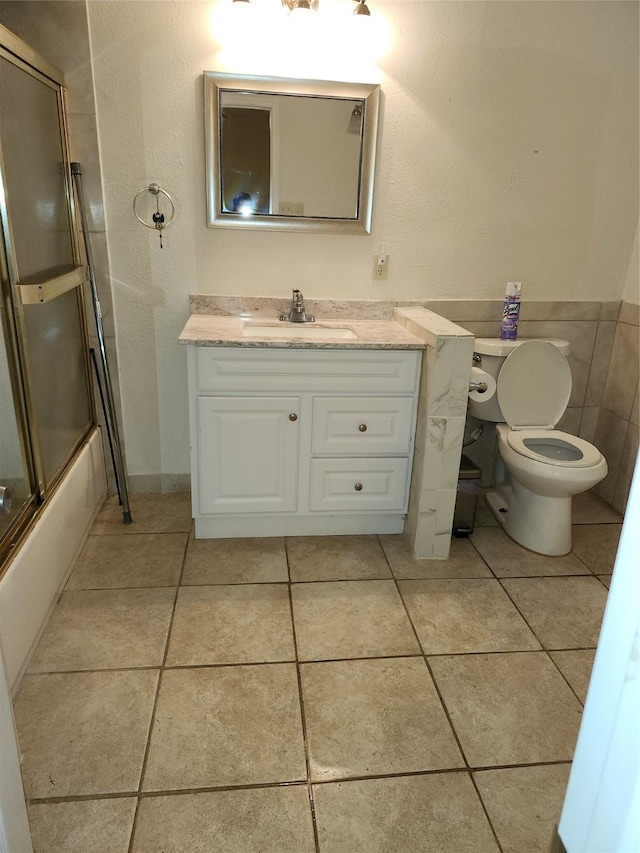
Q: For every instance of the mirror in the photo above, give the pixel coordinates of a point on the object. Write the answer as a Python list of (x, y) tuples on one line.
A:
[(295, 155)]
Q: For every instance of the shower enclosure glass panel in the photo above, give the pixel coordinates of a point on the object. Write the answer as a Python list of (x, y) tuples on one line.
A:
[(46, 408), (35, 183), (15, 487), (58, 379), (41, 254)]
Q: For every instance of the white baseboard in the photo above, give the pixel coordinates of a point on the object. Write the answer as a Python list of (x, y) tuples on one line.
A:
[(140, 484), (319, 524)]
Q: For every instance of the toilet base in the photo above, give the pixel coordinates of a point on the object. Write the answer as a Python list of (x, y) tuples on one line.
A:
[(541, 524)]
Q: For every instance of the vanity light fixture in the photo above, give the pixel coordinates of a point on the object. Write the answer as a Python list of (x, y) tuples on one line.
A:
[(308, 5), (362, 9), (300, 5)]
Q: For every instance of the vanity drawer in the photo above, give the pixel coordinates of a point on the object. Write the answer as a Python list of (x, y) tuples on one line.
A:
[(362, 425), (288, 370), (358, 484)]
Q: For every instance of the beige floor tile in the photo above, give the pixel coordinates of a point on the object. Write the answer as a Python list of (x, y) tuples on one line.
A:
[(106, 628), (336, 558), (406, 814), (351, 619), (453, 616), (373, 717), (508, 559), (564, 613), (166, 513), (576, 667), (511, 708), (248, 623), (524, 804), (596, 545), (588, 508), (269, 820), (463, 561), (86, 826), (213, 561), (605, 579), (148, 559), (235, 725), (84, 732)]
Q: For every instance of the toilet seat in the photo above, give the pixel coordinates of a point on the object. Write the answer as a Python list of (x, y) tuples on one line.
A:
[(534, 386), (531, 444)]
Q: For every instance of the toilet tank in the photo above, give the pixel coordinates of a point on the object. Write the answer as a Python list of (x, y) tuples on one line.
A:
[(492, 353)]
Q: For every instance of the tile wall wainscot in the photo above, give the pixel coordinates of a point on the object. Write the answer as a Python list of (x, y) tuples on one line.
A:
[(444, 388), (616, 433)]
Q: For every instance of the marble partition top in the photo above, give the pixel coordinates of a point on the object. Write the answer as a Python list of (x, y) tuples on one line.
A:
[(428, 325), (218, 331)]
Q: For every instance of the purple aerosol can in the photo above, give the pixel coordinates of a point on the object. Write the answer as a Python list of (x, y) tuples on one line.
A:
[(511, 311)]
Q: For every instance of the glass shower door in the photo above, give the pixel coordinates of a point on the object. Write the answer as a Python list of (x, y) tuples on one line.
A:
[(47, 375), (16, 492)]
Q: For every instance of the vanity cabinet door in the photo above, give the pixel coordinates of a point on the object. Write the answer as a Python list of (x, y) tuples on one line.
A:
[(248, 452)]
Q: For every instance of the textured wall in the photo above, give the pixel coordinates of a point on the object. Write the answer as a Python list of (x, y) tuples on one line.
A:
[(508, 149)]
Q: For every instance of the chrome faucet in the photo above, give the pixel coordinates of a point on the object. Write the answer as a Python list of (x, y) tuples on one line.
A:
[(297, 312)]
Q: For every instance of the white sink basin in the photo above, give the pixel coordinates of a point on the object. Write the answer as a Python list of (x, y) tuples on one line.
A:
[(298, 330)]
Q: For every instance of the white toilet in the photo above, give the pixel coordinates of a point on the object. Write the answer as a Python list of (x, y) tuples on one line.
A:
[(539, 468)]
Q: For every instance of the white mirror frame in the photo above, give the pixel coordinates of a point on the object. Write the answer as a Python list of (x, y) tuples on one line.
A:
[(216, 83)]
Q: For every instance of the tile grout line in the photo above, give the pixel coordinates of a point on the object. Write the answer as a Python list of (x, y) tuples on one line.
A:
[(143, 768), (307, 758), (543, 648), (588, 573), (294, 783), (309, 660), (442, 702), (135, 533)]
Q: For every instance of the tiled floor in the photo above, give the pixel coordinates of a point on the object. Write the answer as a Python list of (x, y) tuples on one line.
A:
[(316, 694)]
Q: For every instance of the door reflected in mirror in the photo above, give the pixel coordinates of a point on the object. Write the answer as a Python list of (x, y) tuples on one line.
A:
[(285, 154)]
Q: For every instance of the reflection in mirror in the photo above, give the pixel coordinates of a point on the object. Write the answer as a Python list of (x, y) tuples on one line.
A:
[(297, 155), (246, 159), (315, 165)]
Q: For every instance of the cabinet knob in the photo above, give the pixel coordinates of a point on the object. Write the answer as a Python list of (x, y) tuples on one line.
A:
[(358, 487), (362, 427), (293, 416)]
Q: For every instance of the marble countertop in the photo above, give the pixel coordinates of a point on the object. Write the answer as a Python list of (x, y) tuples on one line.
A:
[(225, 331)]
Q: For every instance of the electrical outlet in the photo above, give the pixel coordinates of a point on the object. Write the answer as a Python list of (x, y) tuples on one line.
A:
[(380, 266)]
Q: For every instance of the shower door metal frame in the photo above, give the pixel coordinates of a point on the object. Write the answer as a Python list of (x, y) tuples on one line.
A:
[(15, 295)]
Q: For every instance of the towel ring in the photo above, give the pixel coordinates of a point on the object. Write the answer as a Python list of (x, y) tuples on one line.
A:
[(159, 220)]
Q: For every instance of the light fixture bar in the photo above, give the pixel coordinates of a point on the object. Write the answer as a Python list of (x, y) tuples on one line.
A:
[(292, 5), (361, 8)]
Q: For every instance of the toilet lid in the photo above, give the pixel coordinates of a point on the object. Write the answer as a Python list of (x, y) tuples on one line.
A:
[(534, 386)]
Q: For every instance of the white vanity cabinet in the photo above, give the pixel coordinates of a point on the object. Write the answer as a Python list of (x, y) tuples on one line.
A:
[(301, 441)]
